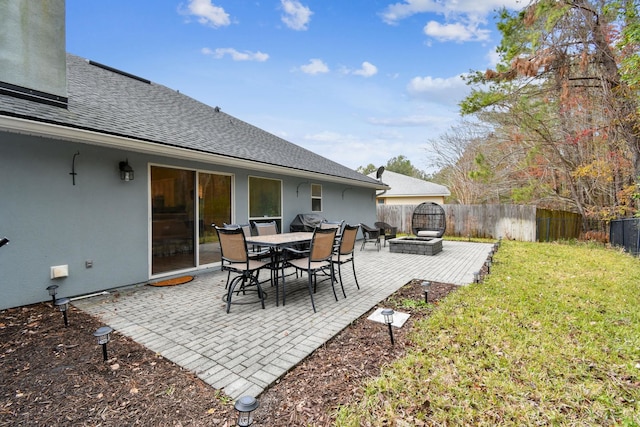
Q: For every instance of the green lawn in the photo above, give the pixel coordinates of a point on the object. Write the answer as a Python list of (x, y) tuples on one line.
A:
[(552, 337)]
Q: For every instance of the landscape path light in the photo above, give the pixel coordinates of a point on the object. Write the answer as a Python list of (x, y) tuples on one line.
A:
[(476, 277), (245, 406), (53, 290), (63, 305), (426, 285), (103, 334), (387, 313)]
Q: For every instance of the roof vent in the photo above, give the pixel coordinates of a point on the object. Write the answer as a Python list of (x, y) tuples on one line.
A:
[(122, 73)]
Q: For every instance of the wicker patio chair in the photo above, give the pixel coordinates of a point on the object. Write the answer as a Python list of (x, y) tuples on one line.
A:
[(388, 231), (428, 220), (372, 235)]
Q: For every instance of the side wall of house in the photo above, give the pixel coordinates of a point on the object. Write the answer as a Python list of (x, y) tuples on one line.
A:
[(50, 221), (412, 200)]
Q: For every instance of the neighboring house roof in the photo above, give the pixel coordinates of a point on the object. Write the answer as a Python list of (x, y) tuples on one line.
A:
[(133, 113), (406, 186)]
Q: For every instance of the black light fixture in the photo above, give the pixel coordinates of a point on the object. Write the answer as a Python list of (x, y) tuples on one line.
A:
[(126, 171), (3, 241), (53, 290), (245, 406), (387, 313), (103, 334), (476, 277), (425, 286), (63, 305)]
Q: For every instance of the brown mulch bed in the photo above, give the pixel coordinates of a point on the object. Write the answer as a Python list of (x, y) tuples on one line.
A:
[(52, 375)]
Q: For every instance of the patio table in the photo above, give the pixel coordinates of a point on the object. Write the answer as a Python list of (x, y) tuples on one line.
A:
[(277, 242)]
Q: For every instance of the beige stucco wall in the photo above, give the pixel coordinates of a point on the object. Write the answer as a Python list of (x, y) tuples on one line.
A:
[(411, 200)]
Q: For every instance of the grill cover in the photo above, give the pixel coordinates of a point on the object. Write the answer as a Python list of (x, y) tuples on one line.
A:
[(305, 222)]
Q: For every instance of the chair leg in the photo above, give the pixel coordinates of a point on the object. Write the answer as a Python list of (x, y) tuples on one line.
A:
[(332, 278), (228, 277), (232, 286), (340, 277), (260, 291), (354, 272), (311, 292)]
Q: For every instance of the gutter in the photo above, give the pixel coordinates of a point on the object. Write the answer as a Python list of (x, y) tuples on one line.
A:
[(50, 130)]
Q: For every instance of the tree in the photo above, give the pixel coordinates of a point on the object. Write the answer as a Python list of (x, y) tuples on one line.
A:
[(366, 170), (402, 165), (399, 164), (565, 92)]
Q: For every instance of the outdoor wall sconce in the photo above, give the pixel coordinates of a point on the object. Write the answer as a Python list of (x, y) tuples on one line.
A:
[(63, 305), (53, 290), (387, 313), (3, 241), (126, 171), (245, 406), (426, 286), (103, 334)]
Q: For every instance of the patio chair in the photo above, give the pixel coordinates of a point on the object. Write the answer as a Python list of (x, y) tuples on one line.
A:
[(428, 220), (371, 235), (253, 251), (235, 259), (344, 252), (265, 228), (388, 231), (317, 260), (338, 225)]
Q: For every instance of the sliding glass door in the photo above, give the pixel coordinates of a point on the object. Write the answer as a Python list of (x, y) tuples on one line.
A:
[(214, 201), (184, 204)]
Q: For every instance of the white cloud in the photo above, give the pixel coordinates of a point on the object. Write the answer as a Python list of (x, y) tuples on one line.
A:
[(367, 70), (315, 66), (413, 120), (445, 91), (296, 16), (470, 8), (455, 32), (236, 55), (207, 13), (493, 57)]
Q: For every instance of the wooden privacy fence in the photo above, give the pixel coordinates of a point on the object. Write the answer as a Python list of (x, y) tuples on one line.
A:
[(516, 222)]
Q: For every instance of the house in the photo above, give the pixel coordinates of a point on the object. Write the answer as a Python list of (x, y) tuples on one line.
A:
[(406, 190), (109, 179)]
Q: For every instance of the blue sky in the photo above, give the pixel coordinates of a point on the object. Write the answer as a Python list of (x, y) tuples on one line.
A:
[(357, 81)]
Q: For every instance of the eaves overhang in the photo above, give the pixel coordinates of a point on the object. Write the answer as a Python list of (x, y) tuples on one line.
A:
[(85, 136)]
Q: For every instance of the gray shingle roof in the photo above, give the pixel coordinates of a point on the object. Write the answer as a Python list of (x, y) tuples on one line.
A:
[(107, 102), (403, 185)]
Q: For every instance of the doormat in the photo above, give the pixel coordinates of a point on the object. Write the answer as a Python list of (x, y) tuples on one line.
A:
[(173, 282)]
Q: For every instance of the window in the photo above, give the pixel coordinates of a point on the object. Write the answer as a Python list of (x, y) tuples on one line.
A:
[(316, 198), (265, 200)]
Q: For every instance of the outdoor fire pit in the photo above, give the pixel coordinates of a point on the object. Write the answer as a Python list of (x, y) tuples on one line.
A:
[(416, 245)]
